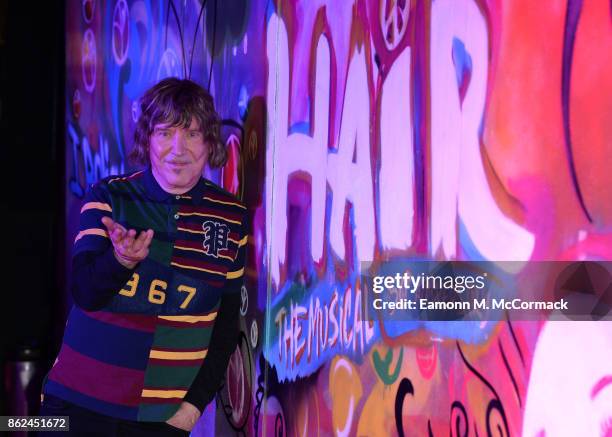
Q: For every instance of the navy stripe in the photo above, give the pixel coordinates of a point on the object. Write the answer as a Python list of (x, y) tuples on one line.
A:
[(93, 243), (107, 343), (82, 400), (92, 218)]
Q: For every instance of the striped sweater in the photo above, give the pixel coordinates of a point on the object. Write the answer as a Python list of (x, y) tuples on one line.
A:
[(133, 350)]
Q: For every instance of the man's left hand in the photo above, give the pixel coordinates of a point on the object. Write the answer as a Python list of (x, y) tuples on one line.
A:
[(186, 417)]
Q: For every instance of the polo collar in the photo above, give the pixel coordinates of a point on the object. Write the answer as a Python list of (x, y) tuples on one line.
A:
[(157, 193)]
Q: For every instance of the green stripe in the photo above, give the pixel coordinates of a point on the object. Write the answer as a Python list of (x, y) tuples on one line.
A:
[(160, 251), (169, 377), (186, 338), (156, 412), (125, 186), (155, 215)]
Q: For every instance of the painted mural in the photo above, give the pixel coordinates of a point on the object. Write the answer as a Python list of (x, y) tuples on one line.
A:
[(376, 130)]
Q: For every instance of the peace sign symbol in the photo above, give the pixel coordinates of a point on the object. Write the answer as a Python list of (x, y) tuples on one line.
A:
[(393, 21), (120, 39), (244, 300), (88, 60), (88, 7)]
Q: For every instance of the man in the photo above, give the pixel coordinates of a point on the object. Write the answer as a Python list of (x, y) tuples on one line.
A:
[(157, 269)]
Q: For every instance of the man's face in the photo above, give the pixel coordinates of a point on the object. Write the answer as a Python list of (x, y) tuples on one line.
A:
[(178, 156)]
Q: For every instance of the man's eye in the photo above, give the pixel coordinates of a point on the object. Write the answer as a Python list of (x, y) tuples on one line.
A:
[(194, 134), (163, 133)]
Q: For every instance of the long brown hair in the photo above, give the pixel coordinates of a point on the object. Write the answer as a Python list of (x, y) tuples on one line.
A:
[(176, 102)]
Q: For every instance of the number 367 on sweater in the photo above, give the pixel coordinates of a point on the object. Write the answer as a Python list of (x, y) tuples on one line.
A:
[(157, 290)]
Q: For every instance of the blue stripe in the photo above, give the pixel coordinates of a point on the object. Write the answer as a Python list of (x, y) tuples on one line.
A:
[(92, 218), (108, 343), (92, 243), (82, 400)]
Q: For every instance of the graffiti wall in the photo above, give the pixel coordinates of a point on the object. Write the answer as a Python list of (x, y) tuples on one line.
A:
[(377, 130)]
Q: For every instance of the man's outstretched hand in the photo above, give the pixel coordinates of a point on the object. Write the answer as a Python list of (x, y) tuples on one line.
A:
[(128, 249)]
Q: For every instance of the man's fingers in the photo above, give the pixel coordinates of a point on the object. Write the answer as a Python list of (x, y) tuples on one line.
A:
[(129, 245), (143, 236), (116, 235), (128, 240), (109, 223), (149, 237), (142, 243), (139, 242), (116, 231)]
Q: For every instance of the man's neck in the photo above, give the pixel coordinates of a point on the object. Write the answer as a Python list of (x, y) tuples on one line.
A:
[(171, 189)]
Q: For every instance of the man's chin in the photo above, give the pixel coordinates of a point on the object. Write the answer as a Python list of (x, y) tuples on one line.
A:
[(179, 184)]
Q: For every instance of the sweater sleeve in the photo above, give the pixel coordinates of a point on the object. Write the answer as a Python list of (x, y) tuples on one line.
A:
[(96, 278), (222, 343), (225, 333), (96, 273)]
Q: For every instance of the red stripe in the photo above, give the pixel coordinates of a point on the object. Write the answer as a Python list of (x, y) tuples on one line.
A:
[(222, 198), (200, 246), (148, 387), (197, 226), (174, 349), (180, 244), (191, 226), (145, 401), (227, 252), (187, 209), (175, 363), (109, 383), (201, 264), (138, 174), (190, 243), (139, 322)]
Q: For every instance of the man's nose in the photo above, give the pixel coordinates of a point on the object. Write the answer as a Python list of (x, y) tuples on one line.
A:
[(179, 143)]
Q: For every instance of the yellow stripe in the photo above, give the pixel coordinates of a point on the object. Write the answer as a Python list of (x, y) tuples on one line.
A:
[(190, 248), (236, 274), (196, 268), (191, 319), (164, 393), (209, 215), (96, 205), (189, 230), (165, 355), (202, 251), (125, 178), (225, 203), (92, 231)]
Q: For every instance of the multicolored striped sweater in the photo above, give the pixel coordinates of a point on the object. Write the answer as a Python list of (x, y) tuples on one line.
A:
[(134, 351)]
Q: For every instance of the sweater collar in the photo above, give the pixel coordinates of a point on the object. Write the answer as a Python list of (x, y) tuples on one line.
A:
[(157, 193)]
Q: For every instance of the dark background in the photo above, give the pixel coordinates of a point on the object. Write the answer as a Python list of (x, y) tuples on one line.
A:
[(32, 142)]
